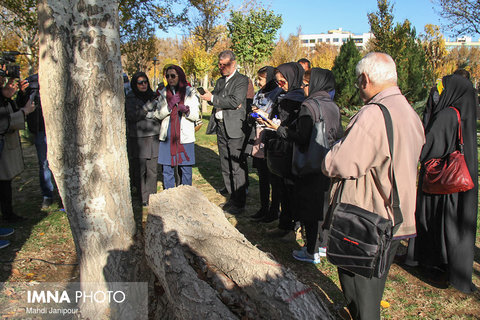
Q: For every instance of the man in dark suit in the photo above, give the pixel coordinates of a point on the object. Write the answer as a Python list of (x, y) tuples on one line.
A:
[(227, 121)]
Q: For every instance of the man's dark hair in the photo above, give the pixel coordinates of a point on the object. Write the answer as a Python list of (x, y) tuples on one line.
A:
[(227, 54), (462, 72), (305, 60)]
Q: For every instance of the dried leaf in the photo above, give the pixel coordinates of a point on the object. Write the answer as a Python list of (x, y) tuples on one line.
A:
[(384, 304)]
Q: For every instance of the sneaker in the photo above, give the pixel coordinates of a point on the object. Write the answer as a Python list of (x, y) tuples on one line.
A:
[(5, 232), (322, 251), (4, 243), (47, 202), (303, 255)]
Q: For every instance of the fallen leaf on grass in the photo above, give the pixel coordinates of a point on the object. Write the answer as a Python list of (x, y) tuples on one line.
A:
[(41, 234), (16, 272), (384, 304), (30, 275)]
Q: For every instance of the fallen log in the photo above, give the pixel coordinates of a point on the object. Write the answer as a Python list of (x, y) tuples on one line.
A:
[(209, 270)]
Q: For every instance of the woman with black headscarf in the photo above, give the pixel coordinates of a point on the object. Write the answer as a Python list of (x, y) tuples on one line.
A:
[(446, 224), (310, 190), (289, 78), (264, 100), (143, 133)]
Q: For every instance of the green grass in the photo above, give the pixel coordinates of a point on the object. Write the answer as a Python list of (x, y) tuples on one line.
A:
[(47, 236)]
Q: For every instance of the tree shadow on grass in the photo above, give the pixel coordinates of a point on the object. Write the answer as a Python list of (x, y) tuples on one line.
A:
[(27, 204)]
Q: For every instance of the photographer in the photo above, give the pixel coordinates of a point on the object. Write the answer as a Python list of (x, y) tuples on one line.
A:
[(12, 120), (36, 126)]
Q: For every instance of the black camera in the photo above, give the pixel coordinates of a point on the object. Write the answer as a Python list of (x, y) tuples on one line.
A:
[(8, 59)]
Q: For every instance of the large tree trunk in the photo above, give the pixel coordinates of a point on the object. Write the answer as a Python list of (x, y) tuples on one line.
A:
[(209, 270), (82, 96)]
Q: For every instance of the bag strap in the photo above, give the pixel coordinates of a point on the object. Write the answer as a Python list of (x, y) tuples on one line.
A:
[(314, 112), (460, 135), (397, 213)]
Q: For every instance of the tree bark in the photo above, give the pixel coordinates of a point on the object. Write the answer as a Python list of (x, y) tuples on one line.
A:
[(80, 77), (209, 270)]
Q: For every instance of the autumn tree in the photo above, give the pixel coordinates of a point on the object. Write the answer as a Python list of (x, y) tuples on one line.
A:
[(195, 61), (287, 50), (464, 58), (464, 15), (433, 44), (401, 43), (83, 105), (19, 17), (323, 55), (346, 95), (206, 24)]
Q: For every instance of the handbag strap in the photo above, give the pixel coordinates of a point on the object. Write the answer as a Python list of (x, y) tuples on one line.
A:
[(460, 135), (397, 213)]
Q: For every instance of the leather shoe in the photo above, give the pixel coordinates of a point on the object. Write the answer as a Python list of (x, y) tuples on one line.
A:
[(233, 209), (269, 218), (223, 191), (258, 216), (13, 218)]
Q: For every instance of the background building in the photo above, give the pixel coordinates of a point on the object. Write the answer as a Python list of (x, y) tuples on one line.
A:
[(335, 37), (462, 42)]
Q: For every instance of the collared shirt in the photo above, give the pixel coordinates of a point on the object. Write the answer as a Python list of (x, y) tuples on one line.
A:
[(219, 114)]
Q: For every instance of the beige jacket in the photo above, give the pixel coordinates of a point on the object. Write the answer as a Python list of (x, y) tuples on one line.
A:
[(11, 159), (363, 157)]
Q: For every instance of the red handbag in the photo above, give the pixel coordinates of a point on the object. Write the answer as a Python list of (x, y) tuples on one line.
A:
[(449, 174)]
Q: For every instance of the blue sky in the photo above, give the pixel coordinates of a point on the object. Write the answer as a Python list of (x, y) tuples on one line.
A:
[(319, 16)]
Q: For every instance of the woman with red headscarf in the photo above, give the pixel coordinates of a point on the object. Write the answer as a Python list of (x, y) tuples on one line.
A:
[(178, 110)]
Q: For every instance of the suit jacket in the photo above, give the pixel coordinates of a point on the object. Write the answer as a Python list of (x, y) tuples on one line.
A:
[(232, 100)]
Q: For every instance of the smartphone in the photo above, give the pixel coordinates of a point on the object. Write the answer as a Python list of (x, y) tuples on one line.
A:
[(201, 90)]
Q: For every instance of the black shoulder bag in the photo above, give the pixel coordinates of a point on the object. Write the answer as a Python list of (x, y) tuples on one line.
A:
[(304, 163), (359, 240)]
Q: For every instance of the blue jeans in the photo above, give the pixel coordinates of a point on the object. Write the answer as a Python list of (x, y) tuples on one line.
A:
[(44, 173), (169, 176)]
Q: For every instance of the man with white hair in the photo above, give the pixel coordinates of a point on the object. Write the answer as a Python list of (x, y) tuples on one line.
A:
[(362, 158)]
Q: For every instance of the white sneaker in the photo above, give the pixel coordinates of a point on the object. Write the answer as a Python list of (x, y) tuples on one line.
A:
[(322, 251)]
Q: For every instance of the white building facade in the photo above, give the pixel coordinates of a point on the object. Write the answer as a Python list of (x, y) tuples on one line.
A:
[(335, 37)]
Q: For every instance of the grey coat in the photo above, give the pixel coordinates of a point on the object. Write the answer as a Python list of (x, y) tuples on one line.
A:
[(11, 159)]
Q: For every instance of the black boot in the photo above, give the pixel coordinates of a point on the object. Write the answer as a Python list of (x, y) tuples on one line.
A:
[(262, 213), (271, 216)]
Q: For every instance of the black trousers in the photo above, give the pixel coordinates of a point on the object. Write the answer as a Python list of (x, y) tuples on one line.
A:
[(232, 165), (286, 221), (267, 181), (364, 295), (146, 177), (6, 198)]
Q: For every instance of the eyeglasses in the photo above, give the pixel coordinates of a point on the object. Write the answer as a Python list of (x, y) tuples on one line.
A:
[(172, 76), (142, 82), (224, 65), (281, 83), (357, 84)]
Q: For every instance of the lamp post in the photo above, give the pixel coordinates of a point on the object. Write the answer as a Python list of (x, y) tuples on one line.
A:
[(155, 73)]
